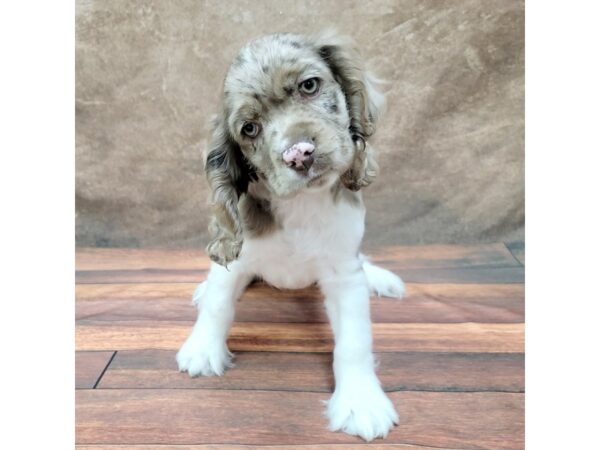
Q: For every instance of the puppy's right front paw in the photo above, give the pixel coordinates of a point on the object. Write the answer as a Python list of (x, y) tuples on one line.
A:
[(197, 357)]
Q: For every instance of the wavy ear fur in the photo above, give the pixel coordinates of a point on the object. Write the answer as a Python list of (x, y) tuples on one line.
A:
[(364, 100), (228, 173)]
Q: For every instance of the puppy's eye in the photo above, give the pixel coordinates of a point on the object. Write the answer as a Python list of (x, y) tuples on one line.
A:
[(309, 87), (251, 129)]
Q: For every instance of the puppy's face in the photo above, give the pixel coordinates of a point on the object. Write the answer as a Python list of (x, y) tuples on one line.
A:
[(288, 114), (297, 112)]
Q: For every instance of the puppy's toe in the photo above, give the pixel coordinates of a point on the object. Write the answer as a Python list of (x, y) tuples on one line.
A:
[(383, 282), (199, 358), (363, 411)]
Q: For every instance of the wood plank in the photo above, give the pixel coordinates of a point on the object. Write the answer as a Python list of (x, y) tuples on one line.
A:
[(435, 263), (192, 416), (518, 250), (88, 258), (501, 372), (89, 367), (429, 303), (364, 446), (481, 275), (275, 337), (409, 256), (488, 275), (442, 292), (140, 276)]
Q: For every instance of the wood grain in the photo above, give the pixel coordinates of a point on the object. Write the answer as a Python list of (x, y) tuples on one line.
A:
[(261, 291), (429, 303), (140, 258), (312, 372), (433, 263), (450, 355), (275, 337), (488, 275), (175, 416), (89, 367), (363, 446), (410, 256)]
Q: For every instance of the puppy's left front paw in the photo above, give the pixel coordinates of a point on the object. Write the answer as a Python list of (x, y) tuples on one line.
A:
[(363, 410)]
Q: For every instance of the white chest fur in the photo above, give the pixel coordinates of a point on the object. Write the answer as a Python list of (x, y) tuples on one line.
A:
[(316, 233)]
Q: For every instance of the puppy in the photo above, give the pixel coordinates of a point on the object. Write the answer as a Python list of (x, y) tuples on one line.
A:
[(285, 164)]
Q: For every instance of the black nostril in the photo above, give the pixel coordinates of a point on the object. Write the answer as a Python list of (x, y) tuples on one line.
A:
[(308, 161), (304, 165)]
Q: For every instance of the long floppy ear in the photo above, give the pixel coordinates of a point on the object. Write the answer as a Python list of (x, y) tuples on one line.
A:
[(228, 174), (364, 101)]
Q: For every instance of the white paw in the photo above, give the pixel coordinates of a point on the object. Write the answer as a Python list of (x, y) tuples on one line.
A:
[(362, 410), (198, 293), (199, 357), (383, 282)]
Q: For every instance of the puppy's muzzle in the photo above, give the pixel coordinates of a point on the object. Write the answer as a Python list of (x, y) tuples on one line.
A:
[(299, 156)]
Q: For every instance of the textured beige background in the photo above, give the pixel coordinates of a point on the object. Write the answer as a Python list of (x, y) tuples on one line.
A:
[(149, 74)]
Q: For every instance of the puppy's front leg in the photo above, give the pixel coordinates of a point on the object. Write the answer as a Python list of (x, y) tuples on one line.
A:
[(358, 405), (205, 351)]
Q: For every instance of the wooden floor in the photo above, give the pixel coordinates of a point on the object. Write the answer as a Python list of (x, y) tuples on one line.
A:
[(450, 355)]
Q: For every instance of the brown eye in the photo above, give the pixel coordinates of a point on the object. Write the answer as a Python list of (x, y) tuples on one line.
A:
[(309, 87), (251, 129)]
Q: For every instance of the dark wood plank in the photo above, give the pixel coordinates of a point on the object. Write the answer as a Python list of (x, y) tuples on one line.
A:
[(481, 275), (140, 258), (194, 416), (363, 446), (429, 303), (89, 367), (134, 291), (433, 263), (175, 291), (502, 372), (294, 337), (518, 250), (488, 275), (409, 256), (140, 276)]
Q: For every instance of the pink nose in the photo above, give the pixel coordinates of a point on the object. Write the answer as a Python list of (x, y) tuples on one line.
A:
[(299, 156)]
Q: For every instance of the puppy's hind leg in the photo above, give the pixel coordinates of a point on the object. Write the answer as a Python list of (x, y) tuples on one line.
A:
[(382, 282), (205, 351)]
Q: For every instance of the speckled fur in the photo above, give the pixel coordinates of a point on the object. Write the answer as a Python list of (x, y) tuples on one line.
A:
[(296, 226), (262, 85)]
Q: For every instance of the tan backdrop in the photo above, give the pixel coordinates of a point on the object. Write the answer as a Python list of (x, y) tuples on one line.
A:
[(149, 74)]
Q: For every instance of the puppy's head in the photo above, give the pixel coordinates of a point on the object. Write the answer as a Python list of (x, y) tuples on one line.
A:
[(295, 111)]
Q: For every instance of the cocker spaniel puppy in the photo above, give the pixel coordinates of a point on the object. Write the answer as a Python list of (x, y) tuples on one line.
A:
[(288, 157)]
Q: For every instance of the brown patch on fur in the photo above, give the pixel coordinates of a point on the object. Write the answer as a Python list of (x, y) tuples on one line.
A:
[(342, 194), (228, 175), (345, 63), (256, 215), (364, 169)]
